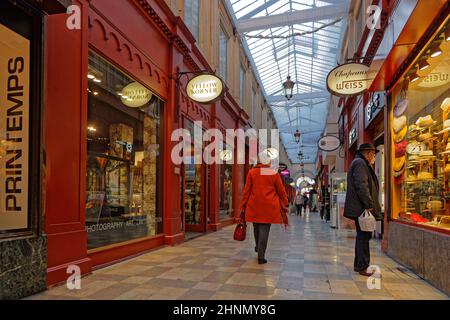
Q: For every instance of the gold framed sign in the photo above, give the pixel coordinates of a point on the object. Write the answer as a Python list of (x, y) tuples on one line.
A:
[(349, 79), (205, 88)]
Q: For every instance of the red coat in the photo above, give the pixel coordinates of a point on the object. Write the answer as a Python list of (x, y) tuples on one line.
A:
[(264, 196)]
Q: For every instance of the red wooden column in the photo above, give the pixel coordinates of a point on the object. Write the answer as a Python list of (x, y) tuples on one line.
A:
[(172, 179), (65, 145)]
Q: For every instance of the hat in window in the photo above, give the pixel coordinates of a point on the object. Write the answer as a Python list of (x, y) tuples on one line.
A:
[(399, 123), (401, 107), (400, 178), (399, 164), (400, 136), (425, 122), (445, 104), (400, 148)]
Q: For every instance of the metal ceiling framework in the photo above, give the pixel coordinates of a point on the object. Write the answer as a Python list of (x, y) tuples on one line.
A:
[(316, 28)]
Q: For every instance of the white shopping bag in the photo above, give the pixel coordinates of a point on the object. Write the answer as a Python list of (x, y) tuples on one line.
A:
[(367, 222)]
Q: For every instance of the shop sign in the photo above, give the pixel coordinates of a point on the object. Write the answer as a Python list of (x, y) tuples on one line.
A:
[(226, 155), (205, 88), (352, 137), (439, 77), (329, 143), (14, 129), (135, 95), (374, 107), (349, 79)]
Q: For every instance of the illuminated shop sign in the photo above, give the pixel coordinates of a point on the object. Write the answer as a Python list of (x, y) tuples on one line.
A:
[(349, 79), (14, 129), (329, 143), (135, 95), (439, 76), (374, 107), (204, 88), (352, 137)]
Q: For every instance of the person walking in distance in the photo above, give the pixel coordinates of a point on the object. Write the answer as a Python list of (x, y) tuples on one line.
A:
[(305, 202), (298, 203), (362, 194), (263, 200)]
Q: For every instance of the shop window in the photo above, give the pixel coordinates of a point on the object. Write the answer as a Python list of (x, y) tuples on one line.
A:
[(420, 119), (191, 16), (193, 178), (20, 88), (124, 167), (223, 54), (226, 186)]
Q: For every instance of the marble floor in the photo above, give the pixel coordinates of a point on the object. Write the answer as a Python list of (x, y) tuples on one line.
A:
[(309, 261)]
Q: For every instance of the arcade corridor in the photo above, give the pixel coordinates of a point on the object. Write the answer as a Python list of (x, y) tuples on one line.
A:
[(309, 261)]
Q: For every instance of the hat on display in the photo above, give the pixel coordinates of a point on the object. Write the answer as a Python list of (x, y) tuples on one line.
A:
[(447, 168), (399, 123), (400, 148), (413, 131), (400, 136), (426, 153), (401, 107), (367, 147), (400, 178), (399, 164), (424, 175), (425, 121), (447, 124), (445, 104), (424, 136)]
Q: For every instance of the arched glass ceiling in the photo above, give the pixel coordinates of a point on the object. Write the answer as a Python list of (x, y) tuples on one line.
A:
[(307, 59)]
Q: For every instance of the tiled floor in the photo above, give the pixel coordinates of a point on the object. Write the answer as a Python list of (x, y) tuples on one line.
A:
[(309, 261)]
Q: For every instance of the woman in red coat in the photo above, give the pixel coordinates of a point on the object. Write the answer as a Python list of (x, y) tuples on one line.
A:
[(263, 200)]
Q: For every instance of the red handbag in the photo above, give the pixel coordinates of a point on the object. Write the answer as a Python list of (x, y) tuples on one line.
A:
[(241, 229)]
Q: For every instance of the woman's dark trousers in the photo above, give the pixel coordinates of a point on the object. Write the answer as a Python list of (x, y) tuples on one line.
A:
[(261, 232), (362, 249), (298, 207)]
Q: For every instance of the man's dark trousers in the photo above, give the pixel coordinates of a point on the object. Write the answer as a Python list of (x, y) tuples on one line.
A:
[(362, 249)]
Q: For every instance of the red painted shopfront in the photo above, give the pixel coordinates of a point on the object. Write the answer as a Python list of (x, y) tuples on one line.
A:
[(151, 50)]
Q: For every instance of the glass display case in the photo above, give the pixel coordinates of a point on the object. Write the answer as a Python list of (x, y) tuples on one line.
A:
[(420, 155), (338, 192)]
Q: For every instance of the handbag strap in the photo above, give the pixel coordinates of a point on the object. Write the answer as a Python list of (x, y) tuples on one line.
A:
[(242, 217)]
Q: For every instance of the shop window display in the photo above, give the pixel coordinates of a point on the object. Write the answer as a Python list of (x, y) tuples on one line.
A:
[(420, 131), (123, 198), (226, 185), (193, 176)]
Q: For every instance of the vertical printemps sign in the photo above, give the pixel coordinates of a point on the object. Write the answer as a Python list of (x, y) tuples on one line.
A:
[(14, 129)]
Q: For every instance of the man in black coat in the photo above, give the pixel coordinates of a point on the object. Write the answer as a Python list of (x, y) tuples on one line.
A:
[(362, 194)]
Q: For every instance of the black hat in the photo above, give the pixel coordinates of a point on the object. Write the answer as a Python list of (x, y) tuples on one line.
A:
[(367, 147)]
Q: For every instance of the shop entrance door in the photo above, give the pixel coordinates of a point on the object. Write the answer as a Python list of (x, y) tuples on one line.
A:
[(194, 191), (195, 197)]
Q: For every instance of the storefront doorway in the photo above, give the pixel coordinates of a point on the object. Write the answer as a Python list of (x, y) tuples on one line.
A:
[(195, 192)]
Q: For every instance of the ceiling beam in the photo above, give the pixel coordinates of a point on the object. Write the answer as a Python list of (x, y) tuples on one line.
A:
[(296, 17), (258, 9), (299, 97)]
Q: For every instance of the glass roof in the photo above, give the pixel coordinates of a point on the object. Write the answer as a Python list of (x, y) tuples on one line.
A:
[(298, 38)]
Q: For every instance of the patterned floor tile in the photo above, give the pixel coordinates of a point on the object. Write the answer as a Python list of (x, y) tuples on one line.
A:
[(309, 261)]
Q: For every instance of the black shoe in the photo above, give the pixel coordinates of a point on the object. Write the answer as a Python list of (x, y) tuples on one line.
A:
[(262, 261)]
